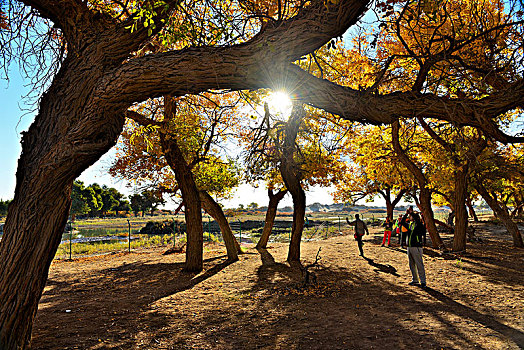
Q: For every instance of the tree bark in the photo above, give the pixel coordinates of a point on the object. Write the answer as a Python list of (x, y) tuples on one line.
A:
[(212, 208), (502, 214), (291, 174), (66, 138), (299, 211), (391, 204), (193, 207), (461, 215), (271, 213), (28, 255), (471, 210), (425, 194)]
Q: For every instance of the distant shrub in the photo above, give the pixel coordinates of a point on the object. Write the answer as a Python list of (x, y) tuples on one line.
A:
[(158, 228)]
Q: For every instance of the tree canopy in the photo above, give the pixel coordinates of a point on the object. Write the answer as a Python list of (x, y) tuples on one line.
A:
[(97, 59)]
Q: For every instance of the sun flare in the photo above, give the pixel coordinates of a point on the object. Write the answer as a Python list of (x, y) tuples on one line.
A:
[(280, 103)]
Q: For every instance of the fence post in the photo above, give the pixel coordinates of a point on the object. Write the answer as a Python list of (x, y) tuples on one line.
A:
[(240, 229), (209, 227), (129, 236), (70, 238), (174, 231), (339, 229)]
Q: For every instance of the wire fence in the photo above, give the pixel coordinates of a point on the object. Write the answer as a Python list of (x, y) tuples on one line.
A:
[(111, 236), (103, 240)]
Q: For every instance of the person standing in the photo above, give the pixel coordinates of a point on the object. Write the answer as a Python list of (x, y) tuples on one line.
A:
[(388, 226), (405, 227), (398, 229), (360, 229), (414, 240)]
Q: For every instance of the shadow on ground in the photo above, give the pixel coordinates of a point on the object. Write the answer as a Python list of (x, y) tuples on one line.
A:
[(261, 302)]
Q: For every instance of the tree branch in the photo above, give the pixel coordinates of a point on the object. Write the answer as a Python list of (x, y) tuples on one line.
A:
[(141, 119)]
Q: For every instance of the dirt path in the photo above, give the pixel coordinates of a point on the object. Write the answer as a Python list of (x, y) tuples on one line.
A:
[(144, 300)]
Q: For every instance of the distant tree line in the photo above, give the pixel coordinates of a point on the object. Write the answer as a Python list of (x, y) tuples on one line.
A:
[(97, 201), (3, 207)]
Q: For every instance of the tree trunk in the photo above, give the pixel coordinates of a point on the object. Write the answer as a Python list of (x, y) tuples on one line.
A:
[(397, 199), (291, 174), (461, 215), (299, 211), (191, 196), (425, 194), (26, 256), (389, 208), (271, 213), (503, 215), (471, 210), (65, 139), (429, 219), (212, 208), (391, 204)]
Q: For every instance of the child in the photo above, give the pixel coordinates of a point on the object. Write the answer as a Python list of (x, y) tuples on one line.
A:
[(388, 226)]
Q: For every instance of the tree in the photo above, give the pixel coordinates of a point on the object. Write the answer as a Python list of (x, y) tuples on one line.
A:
[(151, 200), (123, 205), (252, 206), (292, 176), (110, 199), (300, 152), (102, 70), (180, 139), (271, 213), (495, 177), (374, 169), (3, 207), (79, 200), (423, 188), (95, 201), (137, 204)]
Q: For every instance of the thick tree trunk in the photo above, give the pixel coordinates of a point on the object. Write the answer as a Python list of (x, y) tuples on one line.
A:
[(502, 214), (425, 194), (66, 138), (190, 194), (389, 208), (271, 213), (291, 174), (193, 207), (461, 215), (299, 211), (212, 208), (27, 249), (471, 210), (429, 218)]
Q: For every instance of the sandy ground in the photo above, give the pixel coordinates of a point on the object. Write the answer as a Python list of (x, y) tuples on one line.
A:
[(144, 300)]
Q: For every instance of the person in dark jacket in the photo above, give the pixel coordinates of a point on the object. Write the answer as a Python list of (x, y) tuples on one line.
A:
[(360, 229), (414, 240)]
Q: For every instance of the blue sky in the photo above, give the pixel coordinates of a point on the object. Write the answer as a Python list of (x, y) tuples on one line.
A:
[(13, 123), (15, 119)]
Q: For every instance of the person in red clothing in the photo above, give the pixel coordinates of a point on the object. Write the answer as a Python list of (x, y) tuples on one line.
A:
[(388, 226)]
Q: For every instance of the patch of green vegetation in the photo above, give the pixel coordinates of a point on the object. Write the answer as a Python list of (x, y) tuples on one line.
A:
[(458, 263), (112, 246)]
